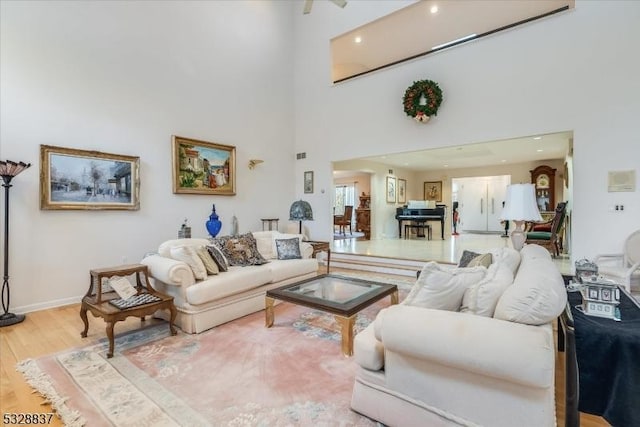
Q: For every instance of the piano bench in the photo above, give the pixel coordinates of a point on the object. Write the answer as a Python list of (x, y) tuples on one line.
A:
[(419, 228)]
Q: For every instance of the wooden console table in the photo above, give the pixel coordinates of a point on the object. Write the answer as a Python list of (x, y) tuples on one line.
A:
[(97, 302)]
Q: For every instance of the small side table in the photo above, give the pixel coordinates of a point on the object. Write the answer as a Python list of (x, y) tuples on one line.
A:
[(321, 247), (97, 302), (269, 222)]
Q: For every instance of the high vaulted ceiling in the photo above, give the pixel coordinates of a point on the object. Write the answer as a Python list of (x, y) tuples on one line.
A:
[(422, 27)]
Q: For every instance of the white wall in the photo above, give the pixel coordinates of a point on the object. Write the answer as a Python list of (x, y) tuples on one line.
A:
[(574, 71), (122, 77)]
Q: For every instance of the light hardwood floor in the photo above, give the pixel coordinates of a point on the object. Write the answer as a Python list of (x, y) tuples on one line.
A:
[(50, 331)]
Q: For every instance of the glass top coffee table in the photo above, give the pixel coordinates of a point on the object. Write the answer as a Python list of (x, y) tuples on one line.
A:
[(341, 296)]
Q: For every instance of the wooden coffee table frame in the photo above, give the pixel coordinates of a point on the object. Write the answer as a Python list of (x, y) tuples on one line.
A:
[(345, 313), (97, 302)]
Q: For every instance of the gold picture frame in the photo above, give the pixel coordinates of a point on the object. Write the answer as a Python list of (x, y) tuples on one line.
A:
[(73, 179), (201, 167), (391, 189), (433, 190)]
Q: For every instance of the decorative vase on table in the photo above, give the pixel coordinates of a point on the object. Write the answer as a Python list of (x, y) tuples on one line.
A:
[(213, 224)]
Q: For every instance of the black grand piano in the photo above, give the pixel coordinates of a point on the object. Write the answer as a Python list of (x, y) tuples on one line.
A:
[(418, 213)]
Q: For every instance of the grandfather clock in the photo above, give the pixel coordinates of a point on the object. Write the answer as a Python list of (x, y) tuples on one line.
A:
[(544, 178)]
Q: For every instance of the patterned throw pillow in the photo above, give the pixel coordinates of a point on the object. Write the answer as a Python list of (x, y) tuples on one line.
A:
[(466, 258), (218, 257), (240, 250), (288, 248), (484, 260), (207, 260)]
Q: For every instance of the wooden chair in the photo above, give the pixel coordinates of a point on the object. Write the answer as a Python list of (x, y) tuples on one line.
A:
[(549, 239), (344, 220)]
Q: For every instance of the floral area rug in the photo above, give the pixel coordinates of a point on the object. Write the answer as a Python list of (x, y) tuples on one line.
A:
[(237, 374)]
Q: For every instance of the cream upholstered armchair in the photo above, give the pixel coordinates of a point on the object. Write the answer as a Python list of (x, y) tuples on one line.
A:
[(623, 267)]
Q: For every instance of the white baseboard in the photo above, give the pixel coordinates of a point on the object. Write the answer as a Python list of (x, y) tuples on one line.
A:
[(45, 305)]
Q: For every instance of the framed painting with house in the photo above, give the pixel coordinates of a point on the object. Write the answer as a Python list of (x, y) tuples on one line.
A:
[(201, 167), (433, 190), (73, 179)]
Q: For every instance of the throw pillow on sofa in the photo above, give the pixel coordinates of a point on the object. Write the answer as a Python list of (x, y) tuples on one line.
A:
[(288, 248), (209, 264), (482, 297), (264, 243), (467, 257), (537, 295), (218, 257), (483, 260), (281, 236), (507, 256), (442, 287), (473, 259), (188, 255), (240, 250)]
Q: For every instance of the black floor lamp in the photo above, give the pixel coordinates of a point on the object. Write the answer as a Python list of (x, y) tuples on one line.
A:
[(8, 170)]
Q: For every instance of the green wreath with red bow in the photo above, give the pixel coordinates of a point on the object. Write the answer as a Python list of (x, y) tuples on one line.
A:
[(422, 100)]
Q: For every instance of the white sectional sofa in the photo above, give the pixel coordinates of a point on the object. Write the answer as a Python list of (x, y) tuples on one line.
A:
[(220, 298), (432, 367)]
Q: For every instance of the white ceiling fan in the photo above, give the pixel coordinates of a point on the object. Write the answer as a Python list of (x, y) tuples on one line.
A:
[(309, 3)]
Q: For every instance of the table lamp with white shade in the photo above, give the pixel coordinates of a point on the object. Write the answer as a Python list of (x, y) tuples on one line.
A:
[(519, 207)]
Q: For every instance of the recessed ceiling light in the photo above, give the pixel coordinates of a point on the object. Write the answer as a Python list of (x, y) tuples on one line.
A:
[(539, 150), (446, 166), (503, 160), (537, 138), (358, 39), (434, 9)]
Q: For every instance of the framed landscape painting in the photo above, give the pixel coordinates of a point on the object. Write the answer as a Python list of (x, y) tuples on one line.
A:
[(391, 189), (433, 190), (75, 179), (201, 167)]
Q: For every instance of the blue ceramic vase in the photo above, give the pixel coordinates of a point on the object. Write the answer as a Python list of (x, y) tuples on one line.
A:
[(213, 225)]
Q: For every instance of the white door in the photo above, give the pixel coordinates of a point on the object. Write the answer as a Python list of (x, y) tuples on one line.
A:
[(480, 202), (472, 199), (496, 194)]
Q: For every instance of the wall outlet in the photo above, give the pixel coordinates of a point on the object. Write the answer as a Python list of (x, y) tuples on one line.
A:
[(124, 259)]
